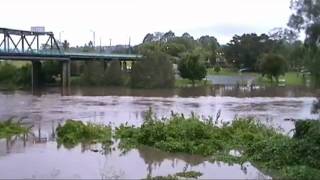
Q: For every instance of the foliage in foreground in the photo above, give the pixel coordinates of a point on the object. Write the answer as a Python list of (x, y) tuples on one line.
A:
[(283, 156), (9, 128), (75, 132)]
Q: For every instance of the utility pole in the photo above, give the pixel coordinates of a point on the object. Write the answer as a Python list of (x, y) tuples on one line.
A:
[(110, 41), (60, 35), (129, 45), (100, 45)]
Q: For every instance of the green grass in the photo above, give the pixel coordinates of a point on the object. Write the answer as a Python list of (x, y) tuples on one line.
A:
[(229, 72), (9, 128), (290, 78), (180, 83)]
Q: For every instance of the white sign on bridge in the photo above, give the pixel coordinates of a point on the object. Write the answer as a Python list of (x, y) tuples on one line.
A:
[(38, 29)]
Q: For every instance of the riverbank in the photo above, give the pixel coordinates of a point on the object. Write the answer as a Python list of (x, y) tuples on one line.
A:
[(289, 79)]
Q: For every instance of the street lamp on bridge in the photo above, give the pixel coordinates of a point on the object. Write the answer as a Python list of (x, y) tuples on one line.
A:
[(94, 38)]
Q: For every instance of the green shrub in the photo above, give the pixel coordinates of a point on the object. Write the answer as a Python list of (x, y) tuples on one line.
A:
[(256, 142), (74, 132), (189, 174), (114, 76), (23, 75), (217, 69), (7, 72), (191, 68), (93, 74), (300, 172)]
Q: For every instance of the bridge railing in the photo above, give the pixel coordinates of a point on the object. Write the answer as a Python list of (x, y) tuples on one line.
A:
[(42, 51)]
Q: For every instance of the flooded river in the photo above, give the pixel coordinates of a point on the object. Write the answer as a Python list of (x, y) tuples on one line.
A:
[(38, 155)]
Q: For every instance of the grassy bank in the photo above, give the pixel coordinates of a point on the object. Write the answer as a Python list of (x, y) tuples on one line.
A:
[(180, 83), (223, 71), (9, 128), (290, 78), (285, 157)]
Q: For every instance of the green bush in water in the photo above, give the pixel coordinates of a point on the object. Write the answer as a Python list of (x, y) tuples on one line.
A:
[(74, 132), (9, 128), (259, 144), (169, 177), (189, 174), (190, 135)]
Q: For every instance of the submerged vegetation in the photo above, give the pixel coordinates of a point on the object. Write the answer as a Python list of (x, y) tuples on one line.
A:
[(282, 156), (189, 174), (75, 132), (179, 175), (9, 128)]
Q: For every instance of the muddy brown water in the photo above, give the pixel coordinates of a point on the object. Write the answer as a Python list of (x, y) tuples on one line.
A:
[(38, 155)]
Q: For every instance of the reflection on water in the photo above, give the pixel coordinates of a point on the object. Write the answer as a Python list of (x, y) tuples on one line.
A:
[(45, 110), (50, 161), (216, 90)]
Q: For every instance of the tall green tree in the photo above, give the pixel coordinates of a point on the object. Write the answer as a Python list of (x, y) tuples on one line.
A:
[(312, 57), (155, 70), (244, 51), (191, 68), (168, 36), (306, 16), (210, 45), (273, 66)]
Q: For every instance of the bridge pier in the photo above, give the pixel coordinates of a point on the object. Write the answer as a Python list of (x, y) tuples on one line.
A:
[(124, 66), (65, 74), (36, 74), (105, 66)]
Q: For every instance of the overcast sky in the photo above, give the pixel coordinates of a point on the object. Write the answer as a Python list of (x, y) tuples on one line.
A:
[(121, 19)]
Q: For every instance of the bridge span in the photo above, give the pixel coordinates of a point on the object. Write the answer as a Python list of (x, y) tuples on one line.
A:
[(21, 45)]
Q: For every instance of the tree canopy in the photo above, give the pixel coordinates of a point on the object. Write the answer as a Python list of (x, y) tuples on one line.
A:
[(273, 65), (154, 71), (191, 68), (244, 51)]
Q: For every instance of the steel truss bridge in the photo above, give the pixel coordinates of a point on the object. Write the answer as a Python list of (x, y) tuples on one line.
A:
[(42, 46)]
